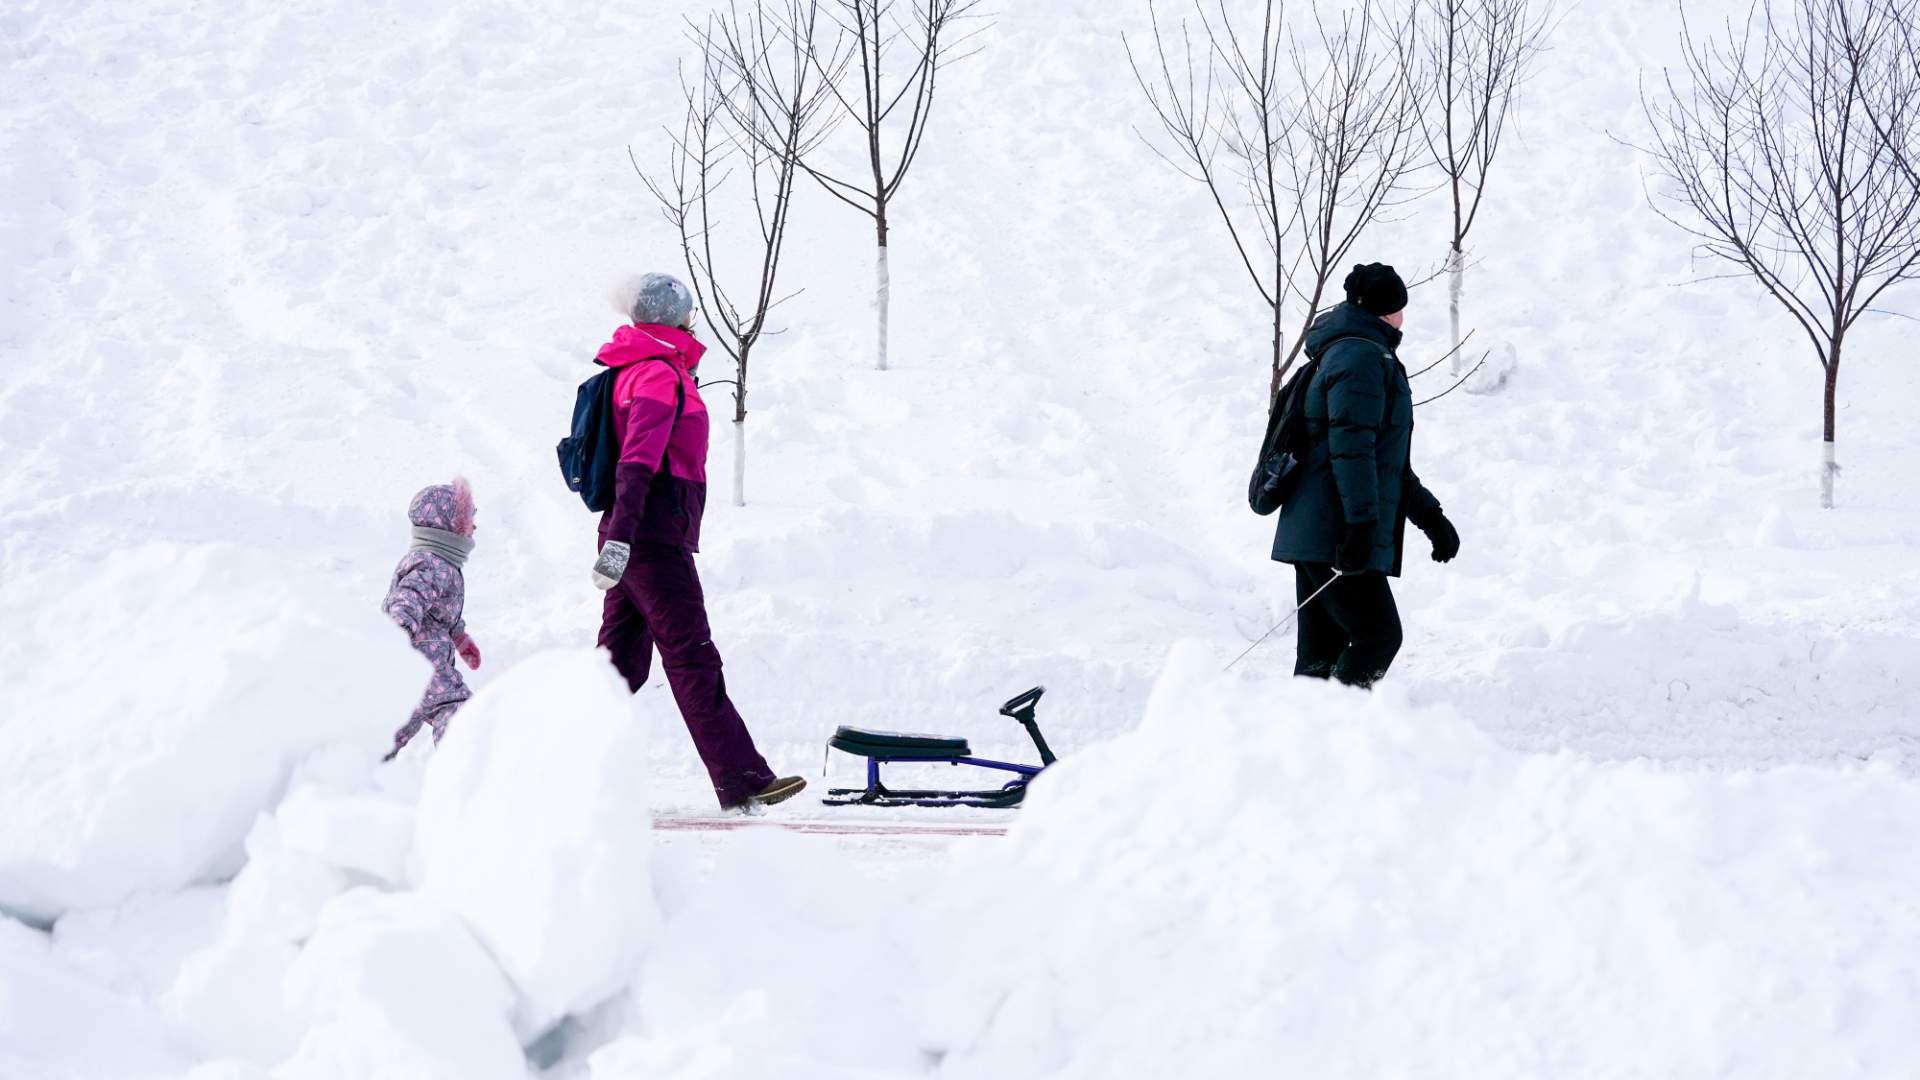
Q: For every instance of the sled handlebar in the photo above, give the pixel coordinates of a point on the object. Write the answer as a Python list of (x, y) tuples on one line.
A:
[(1022, 708), (1023, 704)]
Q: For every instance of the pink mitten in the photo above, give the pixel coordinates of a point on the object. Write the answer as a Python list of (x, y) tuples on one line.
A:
[(468, 651)]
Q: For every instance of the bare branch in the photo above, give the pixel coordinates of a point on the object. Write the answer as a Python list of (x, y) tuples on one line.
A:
[(1457, 384), (1788, 155), (1448, 355), (760, 101)]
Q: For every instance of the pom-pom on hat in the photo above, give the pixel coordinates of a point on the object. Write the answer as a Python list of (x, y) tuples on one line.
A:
[(444, 506)]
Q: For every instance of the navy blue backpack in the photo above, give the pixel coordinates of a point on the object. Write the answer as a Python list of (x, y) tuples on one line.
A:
[(589, 456)]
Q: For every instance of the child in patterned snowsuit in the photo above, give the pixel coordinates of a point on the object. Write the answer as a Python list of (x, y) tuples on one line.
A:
[(427, 597)]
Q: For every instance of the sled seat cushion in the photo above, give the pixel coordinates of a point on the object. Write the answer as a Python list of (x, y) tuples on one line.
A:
[(897, 744)]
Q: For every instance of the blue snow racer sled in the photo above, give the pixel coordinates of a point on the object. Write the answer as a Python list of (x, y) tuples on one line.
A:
[(882, 747)]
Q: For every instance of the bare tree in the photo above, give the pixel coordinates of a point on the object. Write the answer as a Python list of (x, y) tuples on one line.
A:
[(1772, 161), (1236, 84), (758, 104), (1352, 145), (1894, 103), (1475, 55), (875, 35), (1300, 145)]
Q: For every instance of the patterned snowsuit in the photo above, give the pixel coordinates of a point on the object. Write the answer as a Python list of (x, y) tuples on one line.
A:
[(426, 599)]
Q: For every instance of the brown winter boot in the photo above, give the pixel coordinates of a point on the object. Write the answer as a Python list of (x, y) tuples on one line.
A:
[(779, 791)]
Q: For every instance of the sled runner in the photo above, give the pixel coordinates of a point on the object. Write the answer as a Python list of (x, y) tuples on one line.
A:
[(882, 747)]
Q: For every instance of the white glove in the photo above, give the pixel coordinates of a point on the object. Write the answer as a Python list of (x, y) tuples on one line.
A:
[(611, 566)]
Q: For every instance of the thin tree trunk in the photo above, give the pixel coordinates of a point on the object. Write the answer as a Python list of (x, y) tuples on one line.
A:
[(883, 280), (1279, 347), (882, 292), (740, 462), (1456, 283), (1313, 310), (740, 428), (1829, 469), (1455, 271)]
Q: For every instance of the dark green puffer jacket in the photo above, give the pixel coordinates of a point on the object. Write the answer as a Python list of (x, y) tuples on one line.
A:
[(1359, 412)]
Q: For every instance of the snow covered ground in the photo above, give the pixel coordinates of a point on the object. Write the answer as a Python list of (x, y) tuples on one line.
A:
[(1639, 798)]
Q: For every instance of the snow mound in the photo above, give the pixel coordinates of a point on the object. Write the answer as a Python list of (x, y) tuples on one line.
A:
[(394, 985), (534, 828), (356, 832), (1279, 877), (729, 990), (219, 673), (228, 998), (56, 1023)]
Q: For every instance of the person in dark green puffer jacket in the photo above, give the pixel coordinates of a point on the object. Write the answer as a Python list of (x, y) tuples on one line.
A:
[(1358, 490)]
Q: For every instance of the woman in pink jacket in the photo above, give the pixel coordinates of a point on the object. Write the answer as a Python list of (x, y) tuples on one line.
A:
[(648, 539)]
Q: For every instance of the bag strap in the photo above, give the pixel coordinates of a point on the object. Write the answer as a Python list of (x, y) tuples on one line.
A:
[(1386, 350), (679, 387)]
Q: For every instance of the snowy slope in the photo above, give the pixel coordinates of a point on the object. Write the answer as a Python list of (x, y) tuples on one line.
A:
[(273, 267)]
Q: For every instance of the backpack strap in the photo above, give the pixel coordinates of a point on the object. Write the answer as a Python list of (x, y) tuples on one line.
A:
[(679, 387), (1386, 350)]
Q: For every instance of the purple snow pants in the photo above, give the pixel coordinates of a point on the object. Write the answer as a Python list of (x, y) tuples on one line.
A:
[(658, 604)]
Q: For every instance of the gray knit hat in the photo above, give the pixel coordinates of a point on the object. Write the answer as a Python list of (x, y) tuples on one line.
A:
[(661, 300)]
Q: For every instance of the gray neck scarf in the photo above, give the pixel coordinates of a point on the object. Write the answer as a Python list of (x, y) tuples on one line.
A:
[(450, 546)]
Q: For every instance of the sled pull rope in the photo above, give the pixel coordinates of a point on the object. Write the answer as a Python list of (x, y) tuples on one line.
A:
[(1337, 575)]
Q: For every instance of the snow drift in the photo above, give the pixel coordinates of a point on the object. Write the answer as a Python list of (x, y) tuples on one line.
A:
[(394, 984), (527, 895), (534, 829), (56, 1022), (1288, 878), (136, 752)]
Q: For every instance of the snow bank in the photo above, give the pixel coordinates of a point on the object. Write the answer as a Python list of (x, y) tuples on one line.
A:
[(1278, 877), (54, 1023), (732, 986), (138, 947), (526, 894), (533, 828), (362, 833), (175, 684), (395, 985), (228, 998)]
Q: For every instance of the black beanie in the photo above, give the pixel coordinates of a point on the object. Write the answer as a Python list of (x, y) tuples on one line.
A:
[(1376, 289)]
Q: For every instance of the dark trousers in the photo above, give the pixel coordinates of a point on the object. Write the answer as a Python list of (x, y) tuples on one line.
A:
[(1350, 632), (658, 604)]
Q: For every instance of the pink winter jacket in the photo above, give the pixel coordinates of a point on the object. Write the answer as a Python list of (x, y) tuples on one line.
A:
[(660, 485)]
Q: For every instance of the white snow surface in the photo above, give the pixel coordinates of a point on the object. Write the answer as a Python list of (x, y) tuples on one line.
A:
[(1365, 888), (162, 698), (1638, 798), (533, 828), (395, 985)]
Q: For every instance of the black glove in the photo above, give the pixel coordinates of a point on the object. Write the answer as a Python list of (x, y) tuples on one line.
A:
[(1356, 548), (1446, 542)]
